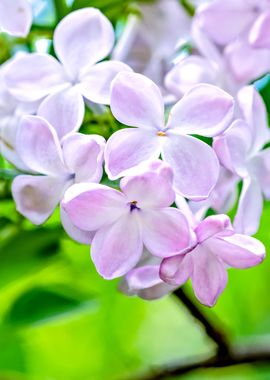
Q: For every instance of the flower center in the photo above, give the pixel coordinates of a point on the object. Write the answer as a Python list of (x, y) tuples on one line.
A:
[(161, 133), (133, 205)]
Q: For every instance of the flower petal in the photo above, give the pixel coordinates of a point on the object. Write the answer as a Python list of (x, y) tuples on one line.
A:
[(141, 187), (209, 277), (64, 110), (194, 163), (176, 270), (37, 196), (136, 101), (128, 148), (83, 237), (117, 248), (83, 38), (211, 226), (30, 77), (204, 110), (260, 168), (15, 17), (96, 82), (214, 16), (247, 218), (259, 35), (38, 146), (91, 206), (238, 251), (83, 155), (165, 231), (143, 277)]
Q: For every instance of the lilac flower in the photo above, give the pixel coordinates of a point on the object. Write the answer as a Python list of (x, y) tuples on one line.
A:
[(240, 149), (15, 17), (246, 40), (81, 39), (126, 221), (205, 110), (148, 42), (55, 167), (217, 247)]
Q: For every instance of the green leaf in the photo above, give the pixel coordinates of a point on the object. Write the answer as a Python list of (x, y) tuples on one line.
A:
[(40, 305)]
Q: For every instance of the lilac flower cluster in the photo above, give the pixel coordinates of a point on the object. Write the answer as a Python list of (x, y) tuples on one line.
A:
[(193, 130)]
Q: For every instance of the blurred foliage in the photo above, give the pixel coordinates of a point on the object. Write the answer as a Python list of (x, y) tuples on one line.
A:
[(60, 321)]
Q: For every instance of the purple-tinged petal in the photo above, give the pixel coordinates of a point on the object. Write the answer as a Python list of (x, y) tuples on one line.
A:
[(137, 101), (189, 72), (142, 186), (246, 63), (83, 237), (64, 110), (165, 231), (247, 218), (92, 206), (128, 148), (96, 81), (233, 147), (238, 251), (212, 225), (15, 17), (83, 155), (209, 277), (143, 277), (254, 112), (176, 270), (37, 196), (30, 77), (260, 169), (259, 35), (83, 38), (204, 110), (224, 21), (194, 163), (38, 146), (117, 248)]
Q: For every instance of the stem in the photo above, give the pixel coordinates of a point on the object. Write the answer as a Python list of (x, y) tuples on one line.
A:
[(61, 9)]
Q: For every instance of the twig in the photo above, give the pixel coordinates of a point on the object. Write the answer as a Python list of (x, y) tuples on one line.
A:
[(215, 332)]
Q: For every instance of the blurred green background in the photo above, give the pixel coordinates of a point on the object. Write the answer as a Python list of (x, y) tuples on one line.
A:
[(60, 321)]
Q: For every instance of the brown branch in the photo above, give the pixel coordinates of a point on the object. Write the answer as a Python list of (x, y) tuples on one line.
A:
[(238, 355), (214, 332)]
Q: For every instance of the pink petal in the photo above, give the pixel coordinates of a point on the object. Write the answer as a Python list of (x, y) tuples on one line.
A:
[(83, 155), (91, 206), (38, 146), (83, 237), (204, 110), (246, 63), (194, 163), (128, 148), (32, 76), (176, 270), (212, 225), (165, 231), (64, 110), (141, 187), (96, 81), (260, 168), (259, 35), (214, 17), (238, 251), (117, 248), (136, 101), (233, 147), (83, 38), (143, 277), (15, 17), (189, 72), (209, 277), (254, 112), (37, 196), (247, 218)]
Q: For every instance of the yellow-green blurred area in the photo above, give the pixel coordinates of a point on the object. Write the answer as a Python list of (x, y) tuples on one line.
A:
[(59, 320)]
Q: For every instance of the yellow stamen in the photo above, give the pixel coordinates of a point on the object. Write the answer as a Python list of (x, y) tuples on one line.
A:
[(161, 133), (133, 203)]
